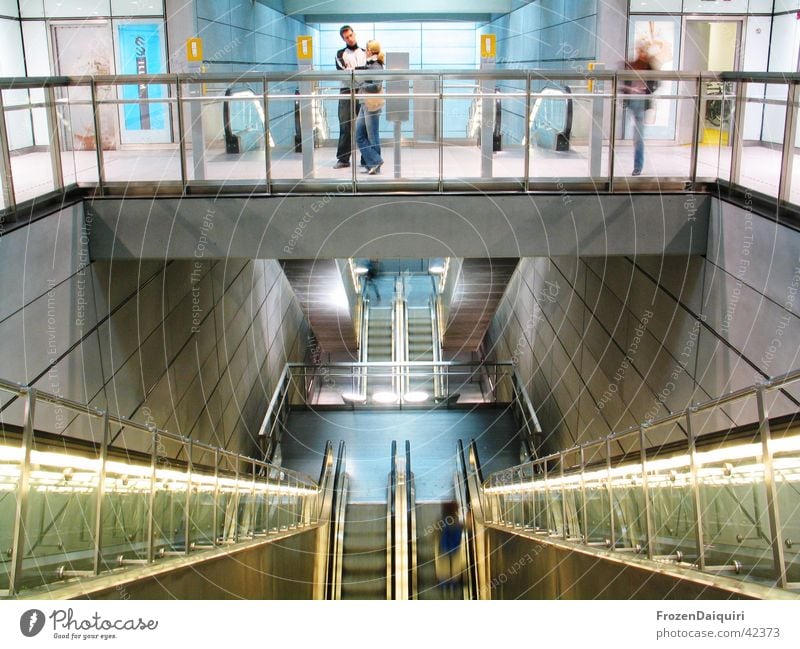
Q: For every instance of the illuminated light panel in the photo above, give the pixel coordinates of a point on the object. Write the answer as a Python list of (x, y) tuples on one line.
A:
[(385, 397), (415, 396)]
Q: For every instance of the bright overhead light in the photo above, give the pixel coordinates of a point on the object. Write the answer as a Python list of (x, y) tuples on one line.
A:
[(360, 270), (437, 269), (384, 396), (353, 397), (415, 396)]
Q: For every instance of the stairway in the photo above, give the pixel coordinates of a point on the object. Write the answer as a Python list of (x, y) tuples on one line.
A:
[(364, 554)]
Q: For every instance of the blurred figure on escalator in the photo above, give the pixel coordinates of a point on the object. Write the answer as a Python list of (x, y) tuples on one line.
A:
[(449, 563)]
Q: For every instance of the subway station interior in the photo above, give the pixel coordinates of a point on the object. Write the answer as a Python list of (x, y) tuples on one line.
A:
[(548, 348)]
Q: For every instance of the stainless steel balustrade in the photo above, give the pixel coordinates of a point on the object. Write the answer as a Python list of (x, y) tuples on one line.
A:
[(496, 383), (78, 112), (674, 489), (74, 504)]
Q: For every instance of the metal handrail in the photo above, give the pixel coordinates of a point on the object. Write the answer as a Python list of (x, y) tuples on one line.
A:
[(500, 484), (391, 530), (181, 86), (411, 526), (241, 481)]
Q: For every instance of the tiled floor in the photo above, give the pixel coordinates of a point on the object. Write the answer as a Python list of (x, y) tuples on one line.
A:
[(760, 167)]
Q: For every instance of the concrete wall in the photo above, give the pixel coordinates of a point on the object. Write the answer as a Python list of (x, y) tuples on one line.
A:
[(606, 343), (192, 346)]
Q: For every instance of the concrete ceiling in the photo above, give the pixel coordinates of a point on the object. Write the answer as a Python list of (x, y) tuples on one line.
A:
[(347, 11)]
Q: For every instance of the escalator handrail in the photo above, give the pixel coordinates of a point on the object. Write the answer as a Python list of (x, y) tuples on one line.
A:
[(391, 513), (339, 507), (469, 522), (332, 473), (411, 527)]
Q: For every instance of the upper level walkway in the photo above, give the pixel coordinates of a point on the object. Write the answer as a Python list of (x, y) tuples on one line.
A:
[(565, 138)]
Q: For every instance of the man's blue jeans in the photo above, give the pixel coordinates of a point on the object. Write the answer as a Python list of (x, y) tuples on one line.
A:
[(368, 137), (638, 109)]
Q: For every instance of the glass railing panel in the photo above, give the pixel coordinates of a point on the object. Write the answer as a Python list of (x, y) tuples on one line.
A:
[(670, 493), (568, 130), (630, 522), (136, 133), (273, 505), (655, 129), (169, 509), (126, 509), (762, 137), (540, 501), (786, 467), (461, 120), (284, 126), (76, 133), (793, 193), (573, 495), (595, 482), (224, 132), (527, 481), (322, 106), (29, 145), (555, 498), (227, 503), (715, 130), (202, 511), (60, 525), (734, 514), (468, 104), (11, 454)]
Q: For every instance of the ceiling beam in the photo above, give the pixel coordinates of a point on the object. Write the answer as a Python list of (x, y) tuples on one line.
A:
[(351, 10)]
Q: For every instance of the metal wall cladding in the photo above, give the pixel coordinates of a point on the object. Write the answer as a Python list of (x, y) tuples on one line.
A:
[(657, 333), (522, 567), (278, 569), (181, 344)]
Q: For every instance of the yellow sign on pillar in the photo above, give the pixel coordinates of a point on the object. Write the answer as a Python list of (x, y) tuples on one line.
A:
[(194, 49), (305, 48), (488, 46), (590, 81)]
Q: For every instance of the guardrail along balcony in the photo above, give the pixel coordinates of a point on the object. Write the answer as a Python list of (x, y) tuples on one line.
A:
[(506, 130)]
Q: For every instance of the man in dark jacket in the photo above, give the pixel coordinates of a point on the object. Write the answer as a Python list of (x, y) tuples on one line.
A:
[(350, 57)]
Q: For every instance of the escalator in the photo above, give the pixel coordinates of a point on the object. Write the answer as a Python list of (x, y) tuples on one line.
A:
[(420, 346), (364, 552)]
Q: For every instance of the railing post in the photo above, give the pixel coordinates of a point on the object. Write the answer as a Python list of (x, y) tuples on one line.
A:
[(696, 131), (152, 500), (9, 199), (98, 138), (216, 498), (738, 130), (776, 533), (610, 489), (789, 135), (253, 501), (187, 514), (100, 499), (55, 138), (181, 132), (698, 509), (267, 151), (21, 511), (648, 514), (440, 128), (235, 516), (527, 138), (584, 504), (564, 534), (612, 134)]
